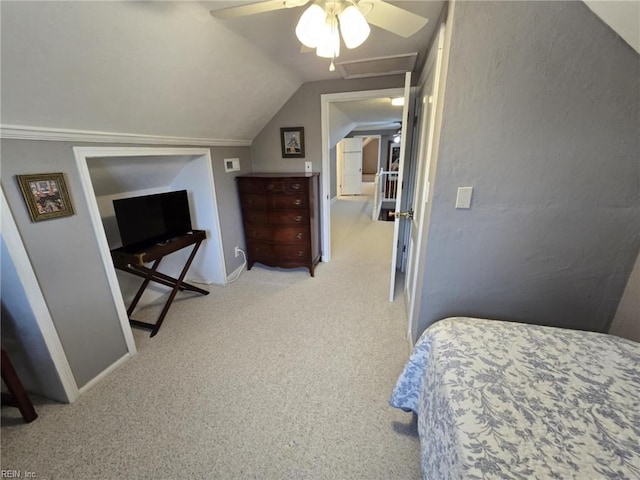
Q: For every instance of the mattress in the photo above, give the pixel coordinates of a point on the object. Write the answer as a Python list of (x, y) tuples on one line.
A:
[(505, 400)]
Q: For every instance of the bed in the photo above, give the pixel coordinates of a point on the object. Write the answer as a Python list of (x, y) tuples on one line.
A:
[(505, 400)]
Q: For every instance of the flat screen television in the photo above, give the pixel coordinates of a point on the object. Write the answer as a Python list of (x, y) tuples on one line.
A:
[(150, 219)]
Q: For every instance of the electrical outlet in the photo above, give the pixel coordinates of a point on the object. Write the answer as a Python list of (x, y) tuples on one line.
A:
[(237, 251)]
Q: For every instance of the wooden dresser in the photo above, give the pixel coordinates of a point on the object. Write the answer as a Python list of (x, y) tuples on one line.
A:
[(280, 213)]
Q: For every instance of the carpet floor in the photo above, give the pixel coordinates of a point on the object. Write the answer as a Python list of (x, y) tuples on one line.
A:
[(276, 376)]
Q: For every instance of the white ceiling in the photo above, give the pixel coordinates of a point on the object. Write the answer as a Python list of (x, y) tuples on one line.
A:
[(274, 34), (116, 175), (373, 114), (622, 16)]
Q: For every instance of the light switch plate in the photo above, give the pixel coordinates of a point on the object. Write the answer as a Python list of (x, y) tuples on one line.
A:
[(463, 200), (308, 167)]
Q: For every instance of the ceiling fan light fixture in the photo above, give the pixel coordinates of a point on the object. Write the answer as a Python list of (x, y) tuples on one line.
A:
[(311, 26), (329, 46), (353, 26)]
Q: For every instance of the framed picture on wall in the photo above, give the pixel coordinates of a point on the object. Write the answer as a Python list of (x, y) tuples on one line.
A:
[(46, 195), (394, 156), (292, 142)]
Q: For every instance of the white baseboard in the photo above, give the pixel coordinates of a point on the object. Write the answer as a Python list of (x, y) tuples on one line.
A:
[(95, 380), (236, 272)]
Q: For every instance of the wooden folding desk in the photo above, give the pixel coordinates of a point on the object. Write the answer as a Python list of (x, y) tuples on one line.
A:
[(133, 261)]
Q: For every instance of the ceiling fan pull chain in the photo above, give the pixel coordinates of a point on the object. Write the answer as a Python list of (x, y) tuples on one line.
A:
[(332, 67)]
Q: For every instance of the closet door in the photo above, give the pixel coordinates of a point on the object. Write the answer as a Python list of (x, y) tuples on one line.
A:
[(351, 166)]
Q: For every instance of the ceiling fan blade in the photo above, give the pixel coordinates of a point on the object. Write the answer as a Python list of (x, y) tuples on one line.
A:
[(254, 8), (394, 19)]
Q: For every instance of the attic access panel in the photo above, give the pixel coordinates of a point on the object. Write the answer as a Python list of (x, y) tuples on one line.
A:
[(378, 66)]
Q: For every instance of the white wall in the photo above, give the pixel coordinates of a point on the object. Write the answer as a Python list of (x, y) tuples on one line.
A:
[(129, 284), (120, 175)]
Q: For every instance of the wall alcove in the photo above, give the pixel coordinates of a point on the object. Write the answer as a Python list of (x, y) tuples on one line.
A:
[(110, 173)]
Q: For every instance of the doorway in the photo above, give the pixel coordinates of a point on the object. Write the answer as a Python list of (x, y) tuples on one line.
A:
[(331, 134)]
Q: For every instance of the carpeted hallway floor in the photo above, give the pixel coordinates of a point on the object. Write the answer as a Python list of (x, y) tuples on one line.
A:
[(276, 376)]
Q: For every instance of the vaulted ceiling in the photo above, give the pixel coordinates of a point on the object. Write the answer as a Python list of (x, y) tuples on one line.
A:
[(170, 68), (161, 68)]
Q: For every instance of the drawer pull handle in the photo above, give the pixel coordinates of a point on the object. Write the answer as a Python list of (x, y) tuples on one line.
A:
[(256, 234), (296, 186), (299, 235), (301, 254), (271, 186), (298, 218), (297, 201)]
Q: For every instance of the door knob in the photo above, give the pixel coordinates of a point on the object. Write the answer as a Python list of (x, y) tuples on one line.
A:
[(408, 214)]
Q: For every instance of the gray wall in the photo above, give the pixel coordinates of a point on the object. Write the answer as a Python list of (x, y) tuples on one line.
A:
[(303, 109), (626, 323), (66, 261), (229, 202), (370, 157), (541, 117), (65, 255), (22, 338)]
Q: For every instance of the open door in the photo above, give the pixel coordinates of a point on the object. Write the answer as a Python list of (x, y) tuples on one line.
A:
[(400, 217), (426, 113)]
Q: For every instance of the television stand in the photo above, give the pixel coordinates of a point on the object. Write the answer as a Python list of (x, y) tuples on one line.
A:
[(133, 260)]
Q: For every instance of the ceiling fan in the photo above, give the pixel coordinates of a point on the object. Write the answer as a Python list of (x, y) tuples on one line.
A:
[(323, 23)]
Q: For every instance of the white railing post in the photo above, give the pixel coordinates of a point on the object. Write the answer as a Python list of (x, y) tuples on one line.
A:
[(376, 208), (386, 190)]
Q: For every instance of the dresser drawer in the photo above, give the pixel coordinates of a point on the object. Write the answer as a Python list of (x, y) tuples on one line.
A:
[(290, 234), (255, 216), (288, 217), (293, 253), (256, 231), (259, 251), (251, 201), (275, 185), (256, 185), (291, 200), (296, 185)]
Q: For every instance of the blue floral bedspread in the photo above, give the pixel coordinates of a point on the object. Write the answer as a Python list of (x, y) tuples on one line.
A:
[(502, 400)]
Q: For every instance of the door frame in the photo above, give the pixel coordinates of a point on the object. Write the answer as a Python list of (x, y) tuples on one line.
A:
[(435, 63), (36, 301), (325, 101)]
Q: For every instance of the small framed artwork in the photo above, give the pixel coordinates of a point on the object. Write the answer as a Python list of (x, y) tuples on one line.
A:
[(46, 195), (394, 156), (292, 141)]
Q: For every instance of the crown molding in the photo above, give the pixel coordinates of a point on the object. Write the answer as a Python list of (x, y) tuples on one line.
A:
[(22, 132)]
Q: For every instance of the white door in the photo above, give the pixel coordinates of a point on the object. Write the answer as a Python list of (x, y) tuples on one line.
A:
[(426, 134), (403, 153), (352, 166)]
